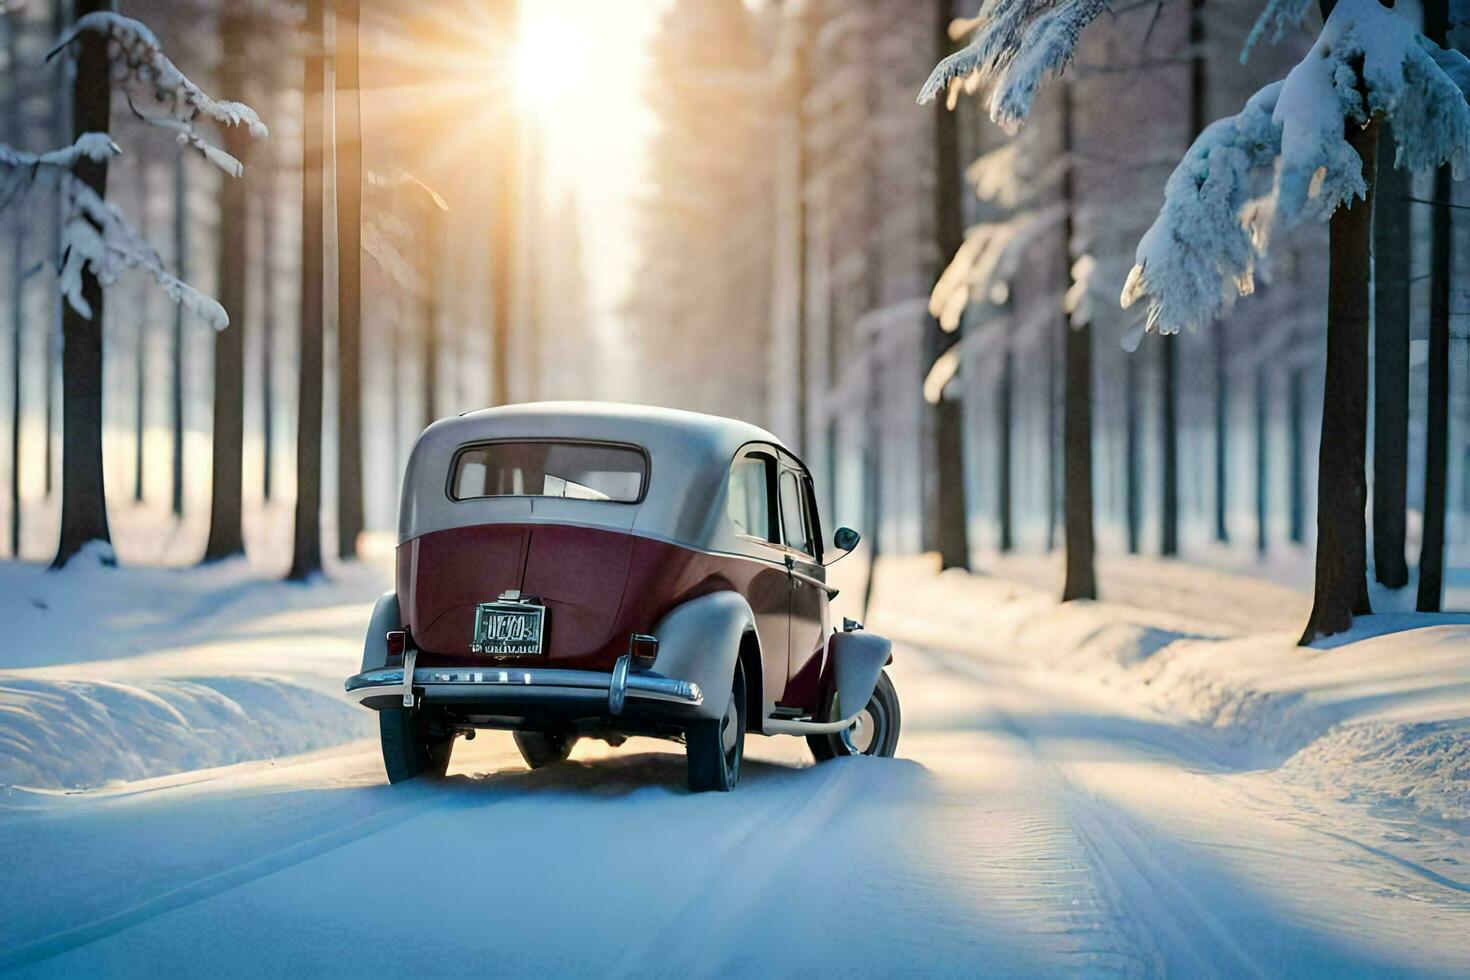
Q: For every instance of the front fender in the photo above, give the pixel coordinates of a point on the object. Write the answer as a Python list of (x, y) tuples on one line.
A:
[(375, 644), (699, 641)]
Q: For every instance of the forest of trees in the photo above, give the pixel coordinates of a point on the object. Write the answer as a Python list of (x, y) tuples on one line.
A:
[(965, 261), (332, 290), (925, 299)]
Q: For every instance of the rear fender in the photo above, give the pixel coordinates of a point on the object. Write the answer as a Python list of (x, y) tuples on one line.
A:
[(700, 641), (385, 618), (856, 660)]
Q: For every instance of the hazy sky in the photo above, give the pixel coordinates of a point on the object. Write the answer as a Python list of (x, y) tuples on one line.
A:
[(595, 119)]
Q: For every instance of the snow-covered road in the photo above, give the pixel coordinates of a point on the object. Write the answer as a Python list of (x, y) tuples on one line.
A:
[(1030, 825)]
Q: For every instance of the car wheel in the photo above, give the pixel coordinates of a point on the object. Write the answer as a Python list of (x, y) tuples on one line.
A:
[(715, 746), (541, 749), (409, 749), (874, 733)]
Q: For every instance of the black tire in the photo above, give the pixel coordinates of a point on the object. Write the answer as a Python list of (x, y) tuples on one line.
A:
[(541, 749), (409, 749), (716, 746), (882, 713)]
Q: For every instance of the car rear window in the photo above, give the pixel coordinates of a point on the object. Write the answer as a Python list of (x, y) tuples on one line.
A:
[(544, 468)]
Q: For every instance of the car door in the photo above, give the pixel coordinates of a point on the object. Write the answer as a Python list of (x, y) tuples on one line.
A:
[(765, 581), (801, 537)]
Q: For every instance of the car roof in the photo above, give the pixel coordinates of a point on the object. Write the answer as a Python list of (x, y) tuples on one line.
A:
[(689, 459)]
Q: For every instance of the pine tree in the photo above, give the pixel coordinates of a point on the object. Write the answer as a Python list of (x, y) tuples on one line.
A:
[(349, 175), (306, 554)]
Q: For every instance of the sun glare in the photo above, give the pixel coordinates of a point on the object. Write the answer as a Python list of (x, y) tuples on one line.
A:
[(551, 63)]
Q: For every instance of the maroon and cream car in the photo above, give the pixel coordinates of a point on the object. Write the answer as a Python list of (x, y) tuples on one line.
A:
[(580, 569)]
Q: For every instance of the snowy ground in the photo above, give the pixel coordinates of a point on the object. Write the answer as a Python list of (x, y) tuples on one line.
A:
[(1160, 783)]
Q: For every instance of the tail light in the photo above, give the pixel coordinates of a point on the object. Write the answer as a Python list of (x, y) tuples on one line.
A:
[(642, 650), (397, 646)]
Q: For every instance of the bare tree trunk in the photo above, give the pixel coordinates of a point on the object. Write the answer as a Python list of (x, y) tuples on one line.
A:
[(1437, 429), (1169, 482), (1005, 436), (1132, 504), (306, 559), (1297, 439), (226, 536), (176, 380), (1222, 436), (430, 314), (1341, 590), (83, 488), (1053, 478), (140, 374), (1391, 273), (1081, 581), (947, 527), (349, 280), (505, 219), (268, 183), (1263, 459), (16, 130)]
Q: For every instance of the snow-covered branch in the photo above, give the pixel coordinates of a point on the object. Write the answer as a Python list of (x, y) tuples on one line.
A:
[(149, 78), (19, 169), (1200, 253), (986, 262), (96, 235), (1017, 44)]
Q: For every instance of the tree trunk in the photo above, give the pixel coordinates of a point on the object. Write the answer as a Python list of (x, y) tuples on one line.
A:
[(226, 538), (1222, 436), (267, 183), (16, 131), (1169, 352), (1263, 459), (1053, 478), (504, 218), (306, 559), (430, 314), (1391, 274), (1297, 438), (140, 374), (349, 280), (83, 488), (1169, 482), (1081, 581), (176, 379), (947, 528), (1132, 505), (1341, 590), (1005, 437), (1437, 430)]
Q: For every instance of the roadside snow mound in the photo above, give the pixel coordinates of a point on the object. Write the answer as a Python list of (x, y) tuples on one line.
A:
[(1379, 715), (79, 734)]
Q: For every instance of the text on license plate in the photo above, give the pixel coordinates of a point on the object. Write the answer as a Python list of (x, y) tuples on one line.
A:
[(508, 629)]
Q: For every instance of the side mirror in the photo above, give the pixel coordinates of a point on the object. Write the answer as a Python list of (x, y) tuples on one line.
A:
[(846, 539)]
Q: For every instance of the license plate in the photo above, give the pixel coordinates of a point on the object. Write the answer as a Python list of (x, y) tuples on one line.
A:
[(508, 629)]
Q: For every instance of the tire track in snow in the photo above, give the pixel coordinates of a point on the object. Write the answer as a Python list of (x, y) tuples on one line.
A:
[(400, 806), (1100, 860)]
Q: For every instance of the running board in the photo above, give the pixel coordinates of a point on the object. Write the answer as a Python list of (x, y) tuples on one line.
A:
[(785, 726)]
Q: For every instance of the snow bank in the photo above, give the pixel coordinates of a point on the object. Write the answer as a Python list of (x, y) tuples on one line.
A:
[(80, 734), (1377, 716), (126, 673)]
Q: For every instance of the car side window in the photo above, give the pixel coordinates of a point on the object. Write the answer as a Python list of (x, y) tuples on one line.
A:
[(795, 527), (749, 500)]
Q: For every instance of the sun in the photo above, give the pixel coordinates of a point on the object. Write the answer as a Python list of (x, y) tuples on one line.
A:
[(550, 64)]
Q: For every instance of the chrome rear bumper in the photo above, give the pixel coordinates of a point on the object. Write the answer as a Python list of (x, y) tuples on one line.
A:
[(521, 684)]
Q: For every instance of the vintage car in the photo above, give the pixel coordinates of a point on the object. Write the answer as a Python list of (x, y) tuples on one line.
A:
[(571, 569)]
